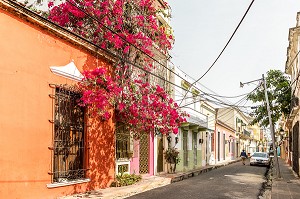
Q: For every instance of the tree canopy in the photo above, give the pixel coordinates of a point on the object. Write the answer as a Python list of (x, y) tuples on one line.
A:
[(279, 94)]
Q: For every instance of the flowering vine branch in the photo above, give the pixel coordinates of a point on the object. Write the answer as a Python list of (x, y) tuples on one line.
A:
[(129, 29)]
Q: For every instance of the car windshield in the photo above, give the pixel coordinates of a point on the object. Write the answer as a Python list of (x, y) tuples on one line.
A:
[(261, 155)]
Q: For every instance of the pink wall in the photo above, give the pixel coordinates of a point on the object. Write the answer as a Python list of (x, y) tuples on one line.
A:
[(151, 154), (134, 163)]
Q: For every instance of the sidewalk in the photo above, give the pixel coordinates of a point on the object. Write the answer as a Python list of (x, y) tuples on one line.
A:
[(288, 186), (147, 183)]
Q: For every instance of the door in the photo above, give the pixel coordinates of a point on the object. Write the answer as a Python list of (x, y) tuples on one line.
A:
[(185, 149), (144, 153), (219, 146), (160, 153), (207, 149), (224, 146), (195, 149), (295, 148)]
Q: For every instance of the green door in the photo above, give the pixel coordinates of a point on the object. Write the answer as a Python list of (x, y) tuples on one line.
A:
[(195, 148)]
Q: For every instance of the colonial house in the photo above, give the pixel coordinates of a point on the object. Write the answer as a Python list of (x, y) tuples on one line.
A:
[(191, 140), (53, 147), (292, 68), (209, 110), (255, 141), (50, 145), (146, 154), (238, 140), (224, 138)]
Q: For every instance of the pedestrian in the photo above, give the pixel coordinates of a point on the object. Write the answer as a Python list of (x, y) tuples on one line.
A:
[(243, 156)]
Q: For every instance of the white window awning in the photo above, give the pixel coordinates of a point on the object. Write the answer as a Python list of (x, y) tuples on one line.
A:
[(69, 71)]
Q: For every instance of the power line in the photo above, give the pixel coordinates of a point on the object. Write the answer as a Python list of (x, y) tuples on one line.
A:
[(103, 49), (228, 40), (226, 112), (241, 101), (210, 94), (120, 58), (226, 43), (296, 79), (124, 39)]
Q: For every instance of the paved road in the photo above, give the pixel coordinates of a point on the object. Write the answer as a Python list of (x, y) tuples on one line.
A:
[(234, 181)]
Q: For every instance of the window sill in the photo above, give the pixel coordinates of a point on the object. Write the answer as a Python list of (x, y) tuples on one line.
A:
[(62, 184)]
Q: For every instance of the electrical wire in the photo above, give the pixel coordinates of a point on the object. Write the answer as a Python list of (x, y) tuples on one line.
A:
[(120, 58), (124, 39), (296, 79), (226, 43), (228, 40), (203, 93), (103, 49), (226, 112)]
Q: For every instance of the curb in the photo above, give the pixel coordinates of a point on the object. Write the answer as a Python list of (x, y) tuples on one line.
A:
[(197, 172), (123, 192), (266, 190)]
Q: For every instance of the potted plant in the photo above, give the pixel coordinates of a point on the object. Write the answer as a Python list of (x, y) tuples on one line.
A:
[(172, 158)]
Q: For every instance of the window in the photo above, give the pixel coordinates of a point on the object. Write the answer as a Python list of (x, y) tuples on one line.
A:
[(68, 138), (123, 142)]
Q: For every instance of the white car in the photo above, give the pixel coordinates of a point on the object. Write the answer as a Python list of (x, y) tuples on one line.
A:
[(260, 158)]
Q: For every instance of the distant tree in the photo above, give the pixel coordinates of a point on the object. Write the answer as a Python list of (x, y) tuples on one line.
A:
[(279, 94)]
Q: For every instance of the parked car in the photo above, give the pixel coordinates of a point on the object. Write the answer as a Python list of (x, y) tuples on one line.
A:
[(260, 158)]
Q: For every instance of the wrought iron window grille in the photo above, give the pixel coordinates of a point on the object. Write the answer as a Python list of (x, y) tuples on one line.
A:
[(123, 150), (68, 150)]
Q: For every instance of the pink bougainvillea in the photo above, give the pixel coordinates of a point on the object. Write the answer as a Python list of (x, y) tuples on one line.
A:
[(130, 30)]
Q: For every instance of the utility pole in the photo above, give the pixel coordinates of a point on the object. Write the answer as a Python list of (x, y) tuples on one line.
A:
[(278, 174)]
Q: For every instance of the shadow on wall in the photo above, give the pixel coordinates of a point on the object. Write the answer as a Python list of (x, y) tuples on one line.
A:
[(100, 145), (101, 154)]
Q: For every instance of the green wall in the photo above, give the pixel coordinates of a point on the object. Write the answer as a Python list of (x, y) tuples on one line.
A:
[(190, 165)]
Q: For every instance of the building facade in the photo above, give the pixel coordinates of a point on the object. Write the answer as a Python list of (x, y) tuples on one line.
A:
[(191, 141), (292, 68), (238, 121), (52, 147)]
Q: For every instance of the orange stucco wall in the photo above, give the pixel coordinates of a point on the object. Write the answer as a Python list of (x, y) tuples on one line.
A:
[(26, 53)]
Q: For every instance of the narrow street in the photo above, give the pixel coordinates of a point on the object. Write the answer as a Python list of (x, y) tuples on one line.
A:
[(232, 181)]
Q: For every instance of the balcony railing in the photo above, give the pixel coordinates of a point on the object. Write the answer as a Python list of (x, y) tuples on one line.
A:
[(247, 133), (294, 102)]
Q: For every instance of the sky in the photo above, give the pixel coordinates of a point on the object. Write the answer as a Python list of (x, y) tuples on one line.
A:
[(203, 27)]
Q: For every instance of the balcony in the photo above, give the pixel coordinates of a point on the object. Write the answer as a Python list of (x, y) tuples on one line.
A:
[(196, 117), (247, 133), (294, 106)]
